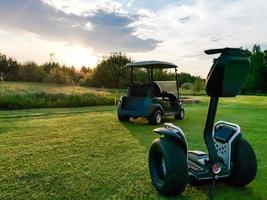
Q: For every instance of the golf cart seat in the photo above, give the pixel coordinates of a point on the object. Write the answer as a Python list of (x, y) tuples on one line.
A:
[(138, 90), (158, 92), (167, 90), (228, 72), (170, 96), (143, 90)]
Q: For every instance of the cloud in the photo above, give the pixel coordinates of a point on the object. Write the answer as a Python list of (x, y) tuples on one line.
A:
[(103, 30), (186, 30), (25, 46), (175, 31), (83, 7), (184, 19), (129, 4), (3, 32)]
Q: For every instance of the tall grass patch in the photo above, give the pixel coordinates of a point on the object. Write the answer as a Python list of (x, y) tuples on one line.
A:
[(37, 95)]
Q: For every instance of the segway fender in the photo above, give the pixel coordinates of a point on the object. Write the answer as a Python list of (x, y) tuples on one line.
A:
[(177, 134)]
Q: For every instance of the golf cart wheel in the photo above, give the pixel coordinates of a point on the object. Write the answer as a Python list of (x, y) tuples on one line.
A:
[(168, 166), (123, 118), (181, 114), (244, 164), (156, 117)]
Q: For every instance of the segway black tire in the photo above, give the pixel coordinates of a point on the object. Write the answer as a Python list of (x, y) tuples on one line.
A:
[(244, 164), (173, 180)]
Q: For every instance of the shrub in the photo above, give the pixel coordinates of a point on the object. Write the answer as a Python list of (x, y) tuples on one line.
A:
[(188, 86), (31, 72), (199, 85), (57, 76), (38, 95)]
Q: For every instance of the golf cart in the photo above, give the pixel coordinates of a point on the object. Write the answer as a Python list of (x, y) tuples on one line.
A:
[(230, 157), (152, 99)]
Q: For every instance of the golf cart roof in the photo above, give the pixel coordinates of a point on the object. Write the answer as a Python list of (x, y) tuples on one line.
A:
[(153, 64)]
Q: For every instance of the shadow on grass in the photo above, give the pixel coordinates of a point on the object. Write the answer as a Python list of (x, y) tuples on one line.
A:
[(141, 130), (53, 112)]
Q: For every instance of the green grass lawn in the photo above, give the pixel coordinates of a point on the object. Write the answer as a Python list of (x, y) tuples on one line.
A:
[(86, 153)]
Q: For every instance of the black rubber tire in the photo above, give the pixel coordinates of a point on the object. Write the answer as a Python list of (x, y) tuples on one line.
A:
[(244, 164), (174, 180), (153, 118), (123, 118), (181, 115)]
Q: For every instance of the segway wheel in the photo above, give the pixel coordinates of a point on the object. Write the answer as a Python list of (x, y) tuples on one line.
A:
[(123, 118), (156, 117), (244, 164), (168, 166), (180, 115)]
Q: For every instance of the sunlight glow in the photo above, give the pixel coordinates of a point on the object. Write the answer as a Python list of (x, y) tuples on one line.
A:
[(78, 56)]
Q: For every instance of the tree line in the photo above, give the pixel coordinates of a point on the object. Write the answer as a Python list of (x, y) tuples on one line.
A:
[(257, 78), (111, 72)]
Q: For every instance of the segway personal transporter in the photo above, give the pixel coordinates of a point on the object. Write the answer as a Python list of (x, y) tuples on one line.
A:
[(230, 158)]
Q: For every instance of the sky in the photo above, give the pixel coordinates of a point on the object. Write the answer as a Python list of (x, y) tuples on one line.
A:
[(81, 32)]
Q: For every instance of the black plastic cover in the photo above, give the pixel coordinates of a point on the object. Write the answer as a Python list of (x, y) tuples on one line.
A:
[(228, 72)]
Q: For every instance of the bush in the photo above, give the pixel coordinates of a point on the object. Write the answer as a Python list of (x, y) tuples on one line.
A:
[(112, 72), (31, 72), (86, 81), (187, 86), (199, 85), (57, 76)]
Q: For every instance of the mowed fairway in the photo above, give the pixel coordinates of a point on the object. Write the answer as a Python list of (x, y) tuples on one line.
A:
[(86, 153)]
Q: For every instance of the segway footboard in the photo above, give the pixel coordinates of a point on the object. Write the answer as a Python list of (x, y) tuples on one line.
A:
[(224, 135)]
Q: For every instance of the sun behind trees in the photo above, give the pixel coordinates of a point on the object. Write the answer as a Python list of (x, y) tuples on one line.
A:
[(111, 72)]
